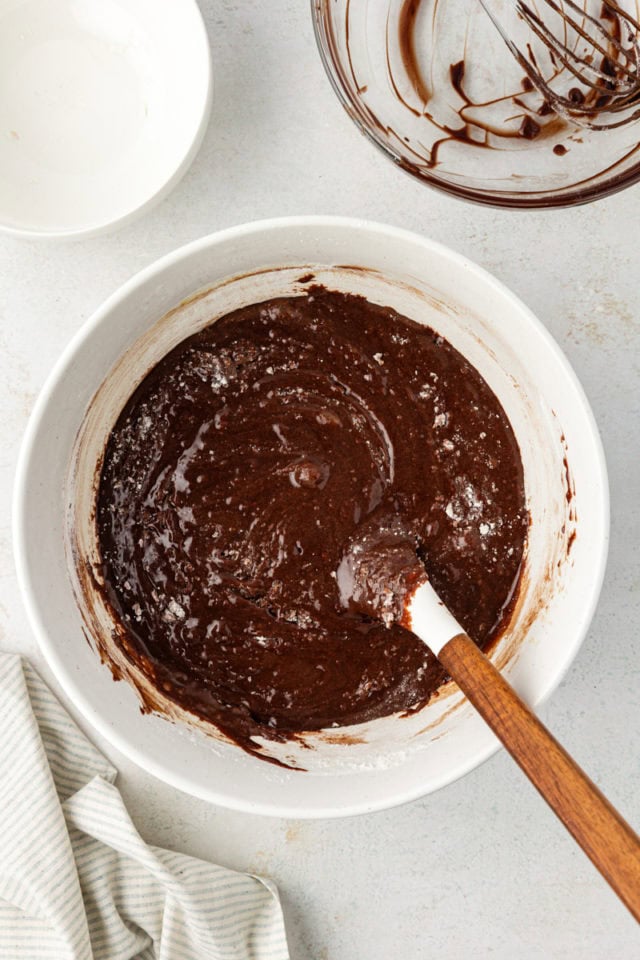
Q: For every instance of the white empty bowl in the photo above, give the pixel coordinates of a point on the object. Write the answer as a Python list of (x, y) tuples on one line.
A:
[(383, 762), (103, 105)]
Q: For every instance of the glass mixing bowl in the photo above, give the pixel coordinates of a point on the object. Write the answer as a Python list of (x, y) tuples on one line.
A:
[(433, 85)]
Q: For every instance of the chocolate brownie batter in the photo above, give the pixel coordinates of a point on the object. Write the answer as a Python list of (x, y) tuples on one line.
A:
[(241, 470)]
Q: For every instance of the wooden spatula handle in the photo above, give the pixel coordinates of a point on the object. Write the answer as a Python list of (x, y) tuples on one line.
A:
[(604, 836)]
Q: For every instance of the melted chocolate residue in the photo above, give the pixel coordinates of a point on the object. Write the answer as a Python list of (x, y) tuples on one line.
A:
[(244, 465), (473, 132)]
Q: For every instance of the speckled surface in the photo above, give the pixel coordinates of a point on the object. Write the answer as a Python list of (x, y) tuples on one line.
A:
[(480, 868)]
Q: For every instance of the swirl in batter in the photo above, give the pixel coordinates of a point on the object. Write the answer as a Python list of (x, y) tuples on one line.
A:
[(243, 465)]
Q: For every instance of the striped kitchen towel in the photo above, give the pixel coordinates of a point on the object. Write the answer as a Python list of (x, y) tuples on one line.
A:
[(76, 879)]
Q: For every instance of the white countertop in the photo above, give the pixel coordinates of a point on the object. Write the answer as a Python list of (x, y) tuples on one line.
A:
[(481, 868)]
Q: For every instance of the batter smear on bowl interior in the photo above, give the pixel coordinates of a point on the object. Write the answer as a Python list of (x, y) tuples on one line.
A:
[(241, 468)]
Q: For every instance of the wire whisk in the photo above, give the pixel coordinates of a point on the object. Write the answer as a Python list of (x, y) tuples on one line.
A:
[(592, 71)]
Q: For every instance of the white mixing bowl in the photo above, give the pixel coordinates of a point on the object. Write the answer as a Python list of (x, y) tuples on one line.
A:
[(383, 762), (103, 106)]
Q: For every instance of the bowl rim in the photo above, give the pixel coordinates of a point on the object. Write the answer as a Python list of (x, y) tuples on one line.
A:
[(219, 795), (154, 198), (532, 201)]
